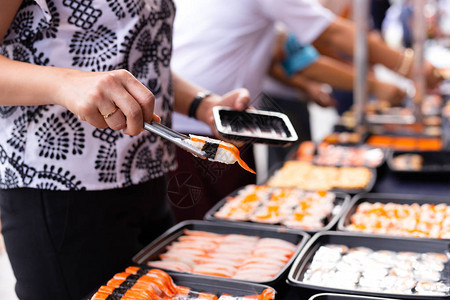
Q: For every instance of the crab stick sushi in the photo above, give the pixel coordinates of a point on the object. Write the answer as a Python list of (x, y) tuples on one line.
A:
[(219, 151)]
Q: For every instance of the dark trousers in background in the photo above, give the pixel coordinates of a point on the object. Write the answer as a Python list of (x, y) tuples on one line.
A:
[(65, 244), (298, 114), (198, 184)]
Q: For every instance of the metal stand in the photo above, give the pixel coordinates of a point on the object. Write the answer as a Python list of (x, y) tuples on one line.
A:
[(361, 14), (420, 35)]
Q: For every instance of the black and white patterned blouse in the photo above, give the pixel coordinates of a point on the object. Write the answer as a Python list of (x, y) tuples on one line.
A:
[(46, 146)]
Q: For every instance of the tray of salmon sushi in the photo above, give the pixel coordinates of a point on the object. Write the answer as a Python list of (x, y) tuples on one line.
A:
[(237, 252), (310, 211), (333, 296), (375, 266), (143, 283), (325, 154), (400, 215)]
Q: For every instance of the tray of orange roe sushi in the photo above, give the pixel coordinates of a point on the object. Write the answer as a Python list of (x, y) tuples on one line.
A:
[(375, 266), (236, 252), (414, 216), (310, 211), (145, 283)]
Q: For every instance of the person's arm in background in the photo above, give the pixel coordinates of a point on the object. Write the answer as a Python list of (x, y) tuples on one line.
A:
[(89, 95), (314, 90), (313, 24), (293, 62), (186, 91), (341, 75), (340, 35)]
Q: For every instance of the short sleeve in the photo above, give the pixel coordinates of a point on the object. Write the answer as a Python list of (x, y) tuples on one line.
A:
[(306, 19), (44, 7), (298, 57)]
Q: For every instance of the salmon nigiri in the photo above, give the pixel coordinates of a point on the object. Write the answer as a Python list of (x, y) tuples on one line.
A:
[(219, 151)]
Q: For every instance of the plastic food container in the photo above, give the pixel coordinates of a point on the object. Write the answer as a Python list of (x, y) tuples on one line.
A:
[(303, 260), (337, 155), (434, 162), (385, 198), (340, 203), (332, 296), (157, 247), (365, 189), (214, 286), (255, 126)]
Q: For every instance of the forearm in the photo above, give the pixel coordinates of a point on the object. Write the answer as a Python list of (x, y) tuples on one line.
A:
[(335, 73), (184, 93), (340, 35), (27, 84), (297, 81)]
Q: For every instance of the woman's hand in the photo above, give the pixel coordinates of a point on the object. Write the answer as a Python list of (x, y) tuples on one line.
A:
[(388, 92), (318, 93), (114, 99), (432, 75), (238, 99)]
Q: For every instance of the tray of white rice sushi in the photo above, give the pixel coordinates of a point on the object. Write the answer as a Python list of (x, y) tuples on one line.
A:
[(333, 296), (374, 266)]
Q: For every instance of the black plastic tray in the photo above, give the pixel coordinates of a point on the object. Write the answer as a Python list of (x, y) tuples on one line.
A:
[(293, 155), (386, 198), (255, 126), (217, 286), (158, 246), (341, 199), (434, 162), (362, 240), (332, 296), (366, 189)]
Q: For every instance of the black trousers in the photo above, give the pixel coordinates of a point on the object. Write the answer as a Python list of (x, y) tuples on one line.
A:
[(65, 244), (298, 113), (197, 185)]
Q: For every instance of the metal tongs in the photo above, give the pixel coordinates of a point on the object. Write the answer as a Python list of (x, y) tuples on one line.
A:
[(174, 137)]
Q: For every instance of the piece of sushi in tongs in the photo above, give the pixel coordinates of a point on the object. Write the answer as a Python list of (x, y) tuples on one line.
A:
[(217, 150), (200, 146)]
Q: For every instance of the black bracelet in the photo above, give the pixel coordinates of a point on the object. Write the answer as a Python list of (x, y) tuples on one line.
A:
[(196, 102)]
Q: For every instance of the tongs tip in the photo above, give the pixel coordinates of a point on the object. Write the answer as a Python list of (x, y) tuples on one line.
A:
[(174, 137)]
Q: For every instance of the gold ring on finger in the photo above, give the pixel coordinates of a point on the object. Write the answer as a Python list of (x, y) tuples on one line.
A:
[(110, 114)]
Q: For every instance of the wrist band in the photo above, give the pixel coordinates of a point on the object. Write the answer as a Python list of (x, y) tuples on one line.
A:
[(196, 102), (406, 62)]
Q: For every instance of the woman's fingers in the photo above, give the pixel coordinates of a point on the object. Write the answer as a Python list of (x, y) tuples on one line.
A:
[(126, 103), (130, 116), (140, 93)]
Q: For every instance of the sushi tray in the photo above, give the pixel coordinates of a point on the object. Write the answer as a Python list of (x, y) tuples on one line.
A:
[(290, 207), (325, 154), (405, 142), (251, 253), (255, 126), (357, 264), (332, 296), (310, 177), (413, 216), (419, 162), (139, 282)]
